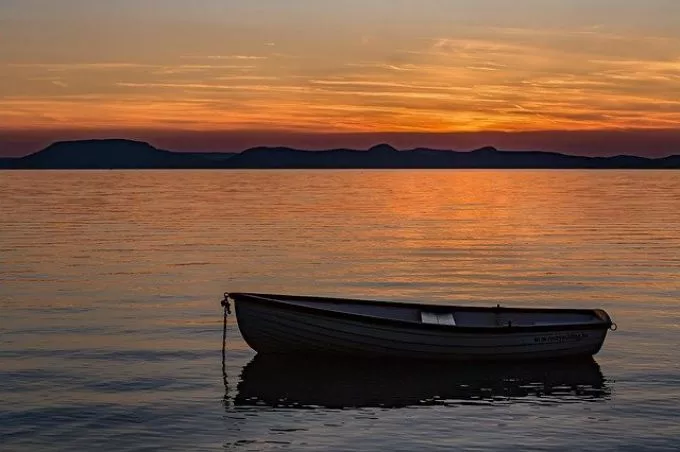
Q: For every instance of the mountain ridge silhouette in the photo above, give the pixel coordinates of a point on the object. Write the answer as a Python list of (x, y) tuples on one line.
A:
[(131, 154)]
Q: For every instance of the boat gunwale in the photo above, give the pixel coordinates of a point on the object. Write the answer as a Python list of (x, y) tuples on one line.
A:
[(287, 302)]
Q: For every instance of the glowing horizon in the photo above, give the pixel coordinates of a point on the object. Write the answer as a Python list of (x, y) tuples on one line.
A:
[(304, 67)]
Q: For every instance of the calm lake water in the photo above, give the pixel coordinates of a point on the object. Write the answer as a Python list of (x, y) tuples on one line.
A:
[(111, 329)]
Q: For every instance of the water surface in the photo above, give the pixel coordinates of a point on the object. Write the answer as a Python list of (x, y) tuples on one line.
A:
[(111, 328)]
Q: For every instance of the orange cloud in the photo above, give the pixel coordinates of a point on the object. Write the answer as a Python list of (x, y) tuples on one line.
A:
[(473, 79)]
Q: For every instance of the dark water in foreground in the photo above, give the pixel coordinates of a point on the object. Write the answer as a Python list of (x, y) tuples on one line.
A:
[(110, 327)]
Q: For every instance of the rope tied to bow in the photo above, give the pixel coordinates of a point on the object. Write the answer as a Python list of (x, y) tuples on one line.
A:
[(225, 303), (227, 311)]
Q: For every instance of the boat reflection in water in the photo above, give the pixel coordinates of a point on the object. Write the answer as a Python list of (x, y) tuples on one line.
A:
[(298, 383)]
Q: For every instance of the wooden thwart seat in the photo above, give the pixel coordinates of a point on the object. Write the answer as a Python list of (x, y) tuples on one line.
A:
[(436, 318)]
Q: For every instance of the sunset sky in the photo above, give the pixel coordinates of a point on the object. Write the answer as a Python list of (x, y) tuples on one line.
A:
[(579, 76)]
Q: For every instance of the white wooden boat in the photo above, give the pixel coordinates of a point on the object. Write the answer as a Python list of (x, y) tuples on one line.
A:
[(287, 324)]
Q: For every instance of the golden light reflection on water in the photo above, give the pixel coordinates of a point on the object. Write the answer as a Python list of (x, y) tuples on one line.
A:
[(540, 236)]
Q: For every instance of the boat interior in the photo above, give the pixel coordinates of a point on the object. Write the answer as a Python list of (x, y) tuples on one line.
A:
[(450, 315)]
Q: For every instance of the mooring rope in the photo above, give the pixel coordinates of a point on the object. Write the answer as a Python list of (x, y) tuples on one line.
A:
[(227, 311)]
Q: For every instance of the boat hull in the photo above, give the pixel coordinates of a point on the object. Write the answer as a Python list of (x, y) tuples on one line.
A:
[(269, 328)]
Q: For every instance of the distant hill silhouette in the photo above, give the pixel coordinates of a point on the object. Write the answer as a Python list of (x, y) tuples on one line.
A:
[(126, 154), (108, 154)]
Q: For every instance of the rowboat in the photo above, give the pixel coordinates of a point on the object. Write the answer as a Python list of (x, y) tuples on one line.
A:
[(303, 325), (334, 382)]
